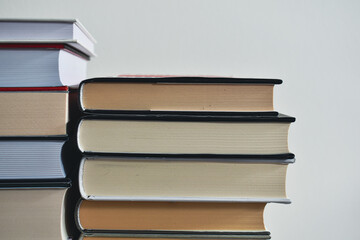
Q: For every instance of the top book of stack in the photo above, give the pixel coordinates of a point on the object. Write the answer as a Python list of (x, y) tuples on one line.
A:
[(43, 52), (50, 31), (178, 95)]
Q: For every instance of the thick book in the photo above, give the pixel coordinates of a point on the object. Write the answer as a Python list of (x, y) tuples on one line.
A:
[(35, 158), (33, 210), (183, 179), (65, 31), (170, 218), (33, 111), (142, 94), (40, 65), (195, 135)]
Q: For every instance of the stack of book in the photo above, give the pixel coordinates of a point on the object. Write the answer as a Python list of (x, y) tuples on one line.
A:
[(39, 60), (180, 157)]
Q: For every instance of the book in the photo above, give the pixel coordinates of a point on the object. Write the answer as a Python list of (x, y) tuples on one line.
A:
[(177, 94), (170, 218), (33, 211), (184, 179), (33, 111), (41, 65), (65, 31), (185, 135), (31, 158)]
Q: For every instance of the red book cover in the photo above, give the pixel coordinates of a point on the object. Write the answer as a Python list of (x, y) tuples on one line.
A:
[(34, 89), (32, 45), (162, 76)]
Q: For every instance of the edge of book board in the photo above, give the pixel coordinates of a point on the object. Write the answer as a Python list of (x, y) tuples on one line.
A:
[(193, 117), (177, 234), (35, 183)]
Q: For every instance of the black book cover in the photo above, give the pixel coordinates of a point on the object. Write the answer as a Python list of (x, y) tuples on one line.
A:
[(194, 117), (35, 183), (184, 79)]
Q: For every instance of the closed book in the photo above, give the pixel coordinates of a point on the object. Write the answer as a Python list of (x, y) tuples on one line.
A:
[(33, 111), (65, 31), (187, 179), (170, 218), (36, 158), (178, 94), (33, 210), (41, 65), (195, 135)]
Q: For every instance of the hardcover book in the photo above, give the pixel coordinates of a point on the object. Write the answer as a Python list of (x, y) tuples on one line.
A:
[(183, 179), (65, 31), (33, 210), (33, 111), (31, 158), (41, 65), (210, 135), (176, 219), (177, 94)]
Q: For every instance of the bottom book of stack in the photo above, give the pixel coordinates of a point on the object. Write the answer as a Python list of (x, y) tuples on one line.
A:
[(172, 219), (32, 209)]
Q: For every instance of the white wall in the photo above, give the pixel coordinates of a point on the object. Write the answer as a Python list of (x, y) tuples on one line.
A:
[(314, 46)]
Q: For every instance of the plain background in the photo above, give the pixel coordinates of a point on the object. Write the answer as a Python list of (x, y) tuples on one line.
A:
[(314, 46)]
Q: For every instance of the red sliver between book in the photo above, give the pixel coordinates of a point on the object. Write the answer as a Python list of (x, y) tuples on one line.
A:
[(13, 89)]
